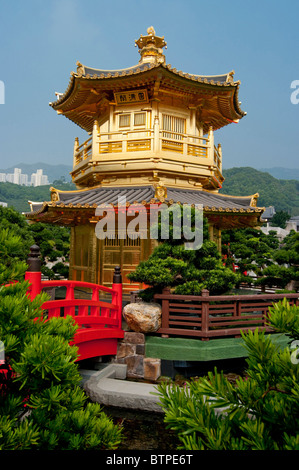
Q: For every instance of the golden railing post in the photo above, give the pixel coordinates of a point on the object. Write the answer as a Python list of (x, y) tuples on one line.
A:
[(124, 141), (211, 144), (94, 147), (220, 157), (156, 134), (76, 146)]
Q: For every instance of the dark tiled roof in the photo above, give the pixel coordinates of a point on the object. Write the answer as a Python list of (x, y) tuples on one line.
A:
[(88, 72), (98, 196)]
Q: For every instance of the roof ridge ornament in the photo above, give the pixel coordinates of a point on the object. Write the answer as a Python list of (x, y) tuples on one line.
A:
[(151, 47)]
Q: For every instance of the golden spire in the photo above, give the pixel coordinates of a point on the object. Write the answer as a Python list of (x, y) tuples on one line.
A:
[(151, 47)]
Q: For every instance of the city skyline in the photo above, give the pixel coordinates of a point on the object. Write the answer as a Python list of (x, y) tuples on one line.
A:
[(22, 179)]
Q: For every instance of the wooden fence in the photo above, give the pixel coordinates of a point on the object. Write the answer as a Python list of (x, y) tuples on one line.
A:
[(208, 316)]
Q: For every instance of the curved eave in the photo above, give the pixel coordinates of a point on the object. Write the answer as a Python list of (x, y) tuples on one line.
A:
[(78, 206), (83, 85)]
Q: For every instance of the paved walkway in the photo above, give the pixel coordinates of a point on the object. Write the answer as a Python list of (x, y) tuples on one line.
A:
[(108, 387)]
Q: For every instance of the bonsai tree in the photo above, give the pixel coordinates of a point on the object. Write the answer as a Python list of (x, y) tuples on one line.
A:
[(286, 259), (259, 412), (187, 271), (249, 248), (41, 403)]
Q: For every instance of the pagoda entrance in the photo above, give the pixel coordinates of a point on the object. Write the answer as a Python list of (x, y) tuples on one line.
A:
[(126, 253)]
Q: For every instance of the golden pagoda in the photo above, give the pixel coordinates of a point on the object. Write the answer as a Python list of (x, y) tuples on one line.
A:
[(150, 139)]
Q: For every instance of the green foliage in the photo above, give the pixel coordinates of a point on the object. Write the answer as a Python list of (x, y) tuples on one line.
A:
[(274, 264), (17, 196), (54, 241), (259, 412), (278, 276), (286, 260), (289, 251), (187, 271), (11, 256), (282, 194), (285, 318), (280, 219), (249, 248), (41, 403), (13, 221)]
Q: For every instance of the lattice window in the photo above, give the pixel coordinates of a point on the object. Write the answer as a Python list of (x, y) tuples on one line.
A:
[(112, 240), (139, 119), (175, 125), (132, 240), (124, 120)]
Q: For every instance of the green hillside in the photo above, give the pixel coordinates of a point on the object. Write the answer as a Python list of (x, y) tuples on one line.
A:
[(282, 194), (18, 196)]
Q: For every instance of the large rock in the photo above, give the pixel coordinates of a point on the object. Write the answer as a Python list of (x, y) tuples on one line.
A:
[(143, 317)]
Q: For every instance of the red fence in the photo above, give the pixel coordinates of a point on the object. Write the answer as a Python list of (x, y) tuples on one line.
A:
[(99, 321), (208, 316)]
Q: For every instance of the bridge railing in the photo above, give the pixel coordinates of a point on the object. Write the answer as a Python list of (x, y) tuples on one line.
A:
[(99, 321)]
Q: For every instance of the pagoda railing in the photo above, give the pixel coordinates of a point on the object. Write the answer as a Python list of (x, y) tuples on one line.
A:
[(83, 151), (148, 140)]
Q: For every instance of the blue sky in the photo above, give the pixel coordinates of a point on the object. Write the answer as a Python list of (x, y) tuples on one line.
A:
[(41, 42)]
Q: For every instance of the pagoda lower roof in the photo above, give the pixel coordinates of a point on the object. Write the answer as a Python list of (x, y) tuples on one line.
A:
[(63, 203)]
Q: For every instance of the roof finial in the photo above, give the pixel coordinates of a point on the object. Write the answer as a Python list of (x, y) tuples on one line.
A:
[(151, 30), (151, 47)]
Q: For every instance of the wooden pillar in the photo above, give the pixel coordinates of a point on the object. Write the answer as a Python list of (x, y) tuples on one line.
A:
[(205, 313), (165, 310)]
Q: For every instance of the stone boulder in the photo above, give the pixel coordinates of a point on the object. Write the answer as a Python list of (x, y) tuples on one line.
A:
[(143, 317)]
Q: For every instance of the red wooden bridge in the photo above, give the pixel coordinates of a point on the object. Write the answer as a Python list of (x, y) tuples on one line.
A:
[(99, 321)]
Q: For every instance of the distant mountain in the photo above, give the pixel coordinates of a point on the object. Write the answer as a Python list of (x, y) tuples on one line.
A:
[(54, 172), (283, 194), (282, 173)]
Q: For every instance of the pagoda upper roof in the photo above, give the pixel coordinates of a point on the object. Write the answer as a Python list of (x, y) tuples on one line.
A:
[(91, 89)]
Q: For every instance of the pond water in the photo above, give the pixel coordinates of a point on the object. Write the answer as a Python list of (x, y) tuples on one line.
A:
[(145, 430), (142, 430)]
